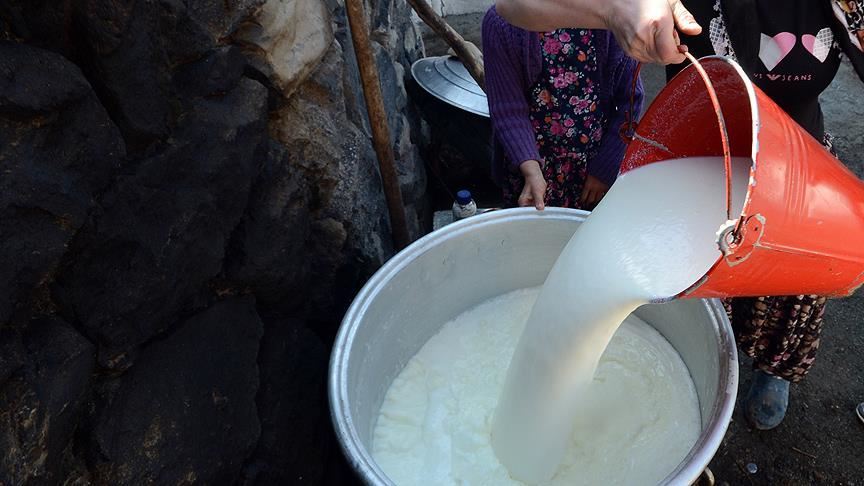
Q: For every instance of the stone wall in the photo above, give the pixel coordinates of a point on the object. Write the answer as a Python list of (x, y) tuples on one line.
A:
[(447, 8), (188, 202)]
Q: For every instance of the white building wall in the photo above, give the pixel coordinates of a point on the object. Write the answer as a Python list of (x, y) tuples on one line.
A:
[(458, 7)]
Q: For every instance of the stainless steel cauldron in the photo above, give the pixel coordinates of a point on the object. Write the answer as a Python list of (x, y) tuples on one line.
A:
[(455, 268)]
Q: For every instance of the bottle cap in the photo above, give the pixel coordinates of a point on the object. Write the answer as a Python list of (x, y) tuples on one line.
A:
[(463, 196)]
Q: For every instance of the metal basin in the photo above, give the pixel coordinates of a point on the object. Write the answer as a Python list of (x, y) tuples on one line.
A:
[(453, 269)]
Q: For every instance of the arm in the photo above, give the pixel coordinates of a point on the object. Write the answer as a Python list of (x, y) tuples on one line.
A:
[(849, 33), (604, 166), (645, 28), (606, 163), (508, 107)]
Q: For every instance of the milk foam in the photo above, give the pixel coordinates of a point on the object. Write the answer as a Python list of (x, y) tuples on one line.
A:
[(435, 423)]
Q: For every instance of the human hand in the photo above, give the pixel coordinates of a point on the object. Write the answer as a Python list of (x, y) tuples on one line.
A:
[(534, 191), (646, 28), (593, 191)]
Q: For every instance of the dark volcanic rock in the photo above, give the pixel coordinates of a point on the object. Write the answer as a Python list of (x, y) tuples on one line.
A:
[(269, 246), (216, 73), (41, 22), (316, 225), (296, 444), (185, 413), (162, 233), (129, 48), (203, 150), (58, 149), (11, 353), (41, 404), (127, 64)]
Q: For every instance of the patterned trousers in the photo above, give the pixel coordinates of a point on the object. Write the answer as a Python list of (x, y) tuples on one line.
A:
[(781, 334)]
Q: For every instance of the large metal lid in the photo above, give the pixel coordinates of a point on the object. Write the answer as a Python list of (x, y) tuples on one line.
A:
[(447, 79)]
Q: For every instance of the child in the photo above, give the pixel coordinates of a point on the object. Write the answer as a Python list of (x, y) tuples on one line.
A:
[(557, 101)]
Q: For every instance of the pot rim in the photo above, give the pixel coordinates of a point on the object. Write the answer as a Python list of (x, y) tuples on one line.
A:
[(360, 458)]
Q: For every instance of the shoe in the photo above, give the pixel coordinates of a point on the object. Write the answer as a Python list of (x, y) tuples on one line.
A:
[(767, 401), (860, 411)]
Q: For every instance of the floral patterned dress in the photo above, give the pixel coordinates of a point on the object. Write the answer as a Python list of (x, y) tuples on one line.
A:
[(565, 117)]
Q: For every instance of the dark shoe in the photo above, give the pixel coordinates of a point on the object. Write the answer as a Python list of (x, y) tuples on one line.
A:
[(860, 411), (766, 403)]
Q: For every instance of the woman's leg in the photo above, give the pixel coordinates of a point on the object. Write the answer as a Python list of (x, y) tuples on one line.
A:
[(782, 335)]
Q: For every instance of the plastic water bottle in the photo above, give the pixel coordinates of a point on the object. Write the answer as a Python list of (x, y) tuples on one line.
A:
[(464, 205)]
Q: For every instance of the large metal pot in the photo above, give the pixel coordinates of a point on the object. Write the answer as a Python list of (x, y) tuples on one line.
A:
[(453, 269)]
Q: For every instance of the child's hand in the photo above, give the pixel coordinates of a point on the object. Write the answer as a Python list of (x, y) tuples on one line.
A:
[(593, 191), (534, 192)]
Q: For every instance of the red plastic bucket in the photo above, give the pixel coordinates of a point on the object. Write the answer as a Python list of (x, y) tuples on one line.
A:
[(802, 227)]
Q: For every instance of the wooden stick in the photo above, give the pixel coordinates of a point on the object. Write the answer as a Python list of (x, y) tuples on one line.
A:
[(467, 52), (378, 121)]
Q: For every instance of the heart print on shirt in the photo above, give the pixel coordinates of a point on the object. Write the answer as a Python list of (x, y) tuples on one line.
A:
[(773, 49)]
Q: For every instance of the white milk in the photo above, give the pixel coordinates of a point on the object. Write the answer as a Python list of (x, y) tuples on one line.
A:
[(652, 237), (435, 423)]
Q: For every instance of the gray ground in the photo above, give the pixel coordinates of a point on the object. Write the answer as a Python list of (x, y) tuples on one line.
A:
[(821, 441)]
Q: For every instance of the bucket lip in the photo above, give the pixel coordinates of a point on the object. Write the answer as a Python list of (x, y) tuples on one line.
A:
[(337, 387), (340, 414)]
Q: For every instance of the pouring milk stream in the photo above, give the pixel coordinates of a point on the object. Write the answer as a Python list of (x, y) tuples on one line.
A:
[(652, 236)]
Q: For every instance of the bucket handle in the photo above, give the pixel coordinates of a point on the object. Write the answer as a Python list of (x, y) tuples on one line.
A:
[(628, 130), (724, 134)]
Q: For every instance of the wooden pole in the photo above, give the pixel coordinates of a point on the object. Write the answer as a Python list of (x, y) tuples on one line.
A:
[(466, 51), (378, 121)]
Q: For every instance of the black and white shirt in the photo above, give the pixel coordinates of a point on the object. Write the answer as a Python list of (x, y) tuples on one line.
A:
[(787, 47)]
